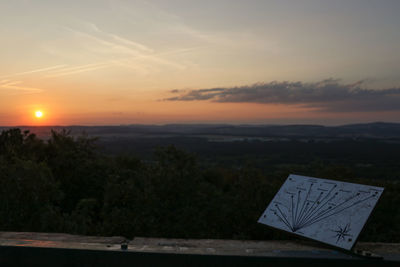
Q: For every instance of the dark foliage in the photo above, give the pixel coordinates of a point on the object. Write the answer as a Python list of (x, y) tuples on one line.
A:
[(66, 185)]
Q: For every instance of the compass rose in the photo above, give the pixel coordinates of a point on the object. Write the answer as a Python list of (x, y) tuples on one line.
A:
[(342, 233)]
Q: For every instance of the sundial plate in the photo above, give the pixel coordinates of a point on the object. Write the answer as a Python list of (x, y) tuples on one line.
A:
[(328, 211)]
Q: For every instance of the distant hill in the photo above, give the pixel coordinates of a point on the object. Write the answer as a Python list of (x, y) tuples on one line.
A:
[(368, 130)]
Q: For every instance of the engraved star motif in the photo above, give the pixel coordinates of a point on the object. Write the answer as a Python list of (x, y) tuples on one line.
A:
[(342, 233)]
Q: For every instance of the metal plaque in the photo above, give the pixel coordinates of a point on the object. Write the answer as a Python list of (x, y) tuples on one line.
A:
[(325, 210)]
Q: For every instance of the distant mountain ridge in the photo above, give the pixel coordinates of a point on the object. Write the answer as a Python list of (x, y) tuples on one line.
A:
[(366, 130)]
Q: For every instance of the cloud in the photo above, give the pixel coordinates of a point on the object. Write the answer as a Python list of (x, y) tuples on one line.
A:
[(17, 87), (116, 45), (34, 71), (60, 70), (78, 69), (327, 95)]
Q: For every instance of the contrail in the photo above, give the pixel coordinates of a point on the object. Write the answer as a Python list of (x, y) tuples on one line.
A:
[(33, 71), (79, 69)]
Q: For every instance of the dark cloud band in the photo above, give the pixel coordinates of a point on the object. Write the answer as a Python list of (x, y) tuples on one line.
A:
[(326, 95)]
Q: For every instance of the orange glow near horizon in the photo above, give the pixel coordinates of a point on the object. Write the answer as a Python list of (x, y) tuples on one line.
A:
[(39, 116), (164, 112)]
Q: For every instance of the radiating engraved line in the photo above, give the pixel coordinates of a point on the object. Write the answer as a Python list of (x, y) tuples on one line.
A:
[(283, 221), (304, 203), (283, 215), (305, 210), (319, 206), (311, 212), (297, 206), (357, 202), (292, 211), (330, 210), (319, 215), (315, 212)]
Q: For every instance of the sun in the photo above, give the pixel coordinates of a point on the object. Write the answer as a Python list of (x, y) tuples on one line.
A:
[(38, 114)]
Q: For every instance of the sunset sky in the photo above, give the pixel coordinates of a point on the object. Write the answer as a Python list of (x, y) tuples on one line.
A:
[(110, 62)]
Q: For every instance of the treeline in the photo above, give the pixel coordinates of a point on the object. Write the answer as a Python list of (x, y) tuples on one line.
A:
[(367, 158), (66, 184)]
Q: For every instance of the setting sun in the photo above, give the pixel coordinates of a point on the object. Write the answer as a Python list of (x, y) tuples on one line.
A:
[(38, 114)]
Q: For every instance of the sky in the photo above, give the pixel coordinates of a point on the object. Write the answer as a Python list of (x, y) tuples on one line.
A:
[(111, 62)]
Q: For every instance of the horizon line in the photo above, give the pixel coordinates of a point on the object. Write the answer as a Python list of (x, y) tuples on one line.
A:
[(201, 124)]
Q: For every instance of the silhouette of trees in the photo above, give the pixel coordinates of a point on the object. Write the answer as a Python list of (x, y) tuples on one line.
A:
[(64, 184)]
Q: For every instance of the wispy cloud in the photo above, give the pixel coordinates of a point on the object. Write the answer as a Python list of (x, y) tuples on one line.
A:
[(120, 39), (327, 95), (114, 49), (46, 69), (17, 87), (78, 69), (60, 70), (123, 48)]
